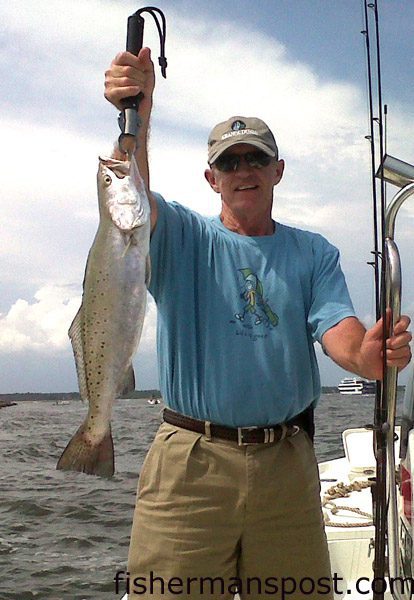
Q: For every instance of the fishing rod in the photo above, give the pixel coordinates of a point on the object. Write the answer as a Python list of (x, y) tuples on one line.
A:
[(388, 306), (380, 414), (128, 120), (371, 139)]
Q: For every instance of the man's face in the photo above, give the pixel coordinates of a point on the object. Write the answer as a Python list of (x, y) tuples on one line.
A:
[(246, 189)]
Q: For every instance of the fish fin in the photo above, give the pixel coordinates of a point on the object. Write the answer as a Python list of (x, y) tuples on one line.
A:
[(128, 384), (81, 455), (75, 335), (148, 271)]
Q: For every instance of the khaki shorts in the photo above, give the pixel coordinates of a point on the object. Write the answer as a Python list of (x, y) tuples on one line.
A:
[(212, 518)]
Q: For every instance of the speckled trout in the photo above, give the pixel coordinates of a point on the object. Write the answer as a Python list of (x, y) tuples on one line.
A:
[(106, 331)]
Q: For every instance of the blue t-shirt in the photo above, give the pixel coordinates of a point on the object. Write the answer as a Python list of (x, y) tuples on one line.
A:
[(238, 317)]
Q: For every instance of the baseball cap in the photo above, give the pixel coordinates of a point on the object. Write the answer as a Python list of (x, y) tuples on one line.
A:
[(241, 130)]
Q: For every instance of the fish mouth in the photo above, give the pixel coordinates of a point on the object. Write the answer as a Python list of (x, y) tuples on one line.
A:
[(120, 168)]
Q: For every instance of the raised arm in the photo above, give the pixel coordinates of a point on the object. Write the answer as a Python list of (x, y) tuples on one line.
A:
[(128, 75), (359, 350)]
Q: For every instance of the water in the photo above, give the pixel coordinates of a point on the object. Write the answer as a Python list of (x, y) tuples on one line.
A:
[(63, 536)]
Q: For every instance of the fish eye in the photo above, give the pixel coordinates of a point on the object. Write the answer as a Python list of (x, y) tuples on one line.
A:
[(107, 180)]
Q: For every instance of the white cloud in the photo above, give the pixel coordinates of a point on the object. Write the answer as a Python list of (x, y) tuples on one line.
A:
[(42, 325)]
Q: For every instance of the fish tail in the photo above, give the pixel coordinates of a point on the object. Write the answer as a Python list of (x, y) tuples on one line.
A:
[(84, 456)]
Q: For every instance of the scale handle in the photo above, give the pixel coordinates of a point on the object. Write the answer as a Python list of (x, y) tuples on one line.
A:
[(129, 120), (135, 34), (134, 42)]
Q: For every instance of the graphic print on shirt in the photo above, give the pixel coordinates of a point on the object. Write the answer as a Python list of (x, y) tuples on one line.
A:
[(255, 308)]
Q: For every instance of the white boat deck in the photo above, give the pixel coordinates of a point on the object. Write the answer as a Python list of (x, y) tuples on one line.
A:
[(354, 470), (350, 533)]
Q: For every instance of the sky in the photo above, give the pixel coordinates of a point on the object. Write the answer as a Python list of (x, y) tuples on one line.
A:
[(298, 64)]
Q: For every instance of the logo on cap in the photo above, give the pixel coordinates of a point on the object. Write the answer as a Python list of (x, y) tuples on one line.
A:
[(238, 125)]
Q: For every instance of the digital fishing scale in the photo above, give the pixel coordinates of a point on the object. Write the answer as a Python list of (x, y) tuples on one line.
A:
[(128, 120)]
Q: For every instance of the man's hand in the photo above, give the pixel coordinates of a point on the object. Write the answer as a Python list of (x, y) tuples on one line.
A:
[(398, 349), (359, 350), (129, 75)]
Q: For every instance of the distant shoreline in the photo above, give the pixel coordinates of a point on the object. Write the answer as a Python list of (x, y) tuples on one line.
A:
[(11, 399)]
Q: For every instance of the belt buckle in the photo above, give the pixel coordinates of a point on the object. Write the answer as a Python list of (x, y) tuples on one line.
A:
[(269, 435), (240, 433)]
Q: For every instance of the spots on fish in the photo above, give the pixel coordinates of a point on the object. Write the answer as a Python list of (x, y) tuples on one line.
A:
[(104, 277)]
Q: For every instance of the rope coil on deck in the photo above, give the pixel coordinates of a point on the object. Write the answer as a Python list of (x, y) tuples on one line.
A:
[(341, 490)]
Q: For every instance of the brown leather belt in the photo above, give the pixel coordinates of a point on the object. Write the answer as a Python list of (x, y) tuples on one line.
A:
[(241, 435)]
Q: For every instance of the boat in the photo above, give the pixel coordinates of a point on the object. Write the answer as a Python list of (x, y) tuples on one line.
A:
[(353, 385), (347, 497), (153, 401), (347, 504), (7, 403)]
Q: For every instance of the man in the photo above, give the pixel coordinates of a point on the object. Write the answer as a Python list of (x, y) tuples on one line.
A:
[(228, 496)]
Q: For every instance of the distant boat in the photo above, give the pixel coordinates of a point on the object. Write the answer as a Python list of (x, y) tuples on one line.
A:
[(6, 403), (352, 385), (152, 401)]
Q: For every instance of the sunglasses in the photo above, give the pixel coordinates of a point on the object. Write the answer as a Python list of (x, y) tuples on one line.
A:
[(230, 162)]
